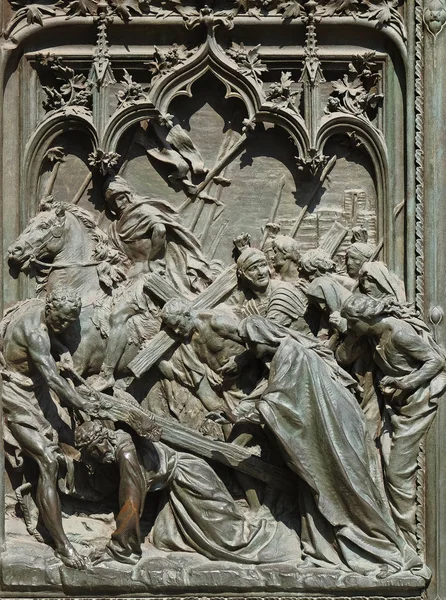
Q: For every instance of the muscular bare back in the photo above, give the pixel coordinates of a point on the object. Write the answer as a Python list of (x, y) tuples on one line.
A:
[(26, 328)]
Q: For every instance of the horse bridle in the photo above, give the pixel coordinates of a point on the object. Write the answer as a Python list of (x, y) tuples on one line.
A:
[(34, 260), (51, 266)]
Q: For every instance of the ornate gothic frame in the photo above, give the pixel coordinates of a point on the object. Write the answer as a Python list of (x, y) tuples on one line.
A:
[(412, 236)]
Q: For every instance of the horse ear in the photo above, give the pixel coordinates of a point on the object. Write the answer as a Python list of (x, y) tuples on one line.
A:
[(46, 203)]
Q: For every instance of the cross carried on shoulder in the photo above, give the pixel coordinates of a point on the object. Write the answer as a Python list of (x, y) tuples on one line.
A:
[(163, 341)]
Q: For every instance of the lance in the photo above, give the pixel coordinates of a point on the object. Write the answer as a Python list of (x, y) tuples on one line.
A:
[(275, 208), (83, 187), (227, 158), (221, 153)]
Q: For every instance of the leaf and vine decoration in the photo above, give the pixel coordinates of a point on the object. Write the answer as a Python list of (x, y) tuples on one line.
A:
[(356, 93), (131, 91), (384, 12), (104, 162), (281, 93), (248, 60), (165, 61), (79, 8), (27, 14), (71, 89)]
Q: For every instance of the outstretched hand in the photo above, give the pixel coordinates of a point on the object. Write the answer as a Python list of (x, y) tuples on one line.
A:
[(338, 322), (229, 368), (389, 385), (66, 362), (219, 416)]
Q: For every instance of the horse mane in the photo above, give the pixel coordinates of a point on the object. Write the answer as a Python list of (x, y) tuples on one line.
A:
[(112, 262), (86, 218), (98, 235)]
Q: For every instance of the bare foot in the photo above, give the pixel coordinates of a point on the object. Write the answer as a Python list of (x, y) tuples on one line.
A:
[(71, 558)]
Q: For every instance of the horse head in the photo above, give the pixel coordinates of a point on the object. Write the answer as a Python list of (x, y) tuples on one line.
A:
[(41, 240)]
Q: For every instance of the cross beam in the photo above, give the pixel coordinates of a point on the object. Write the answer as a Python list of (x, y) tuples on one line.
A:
[(162, 342), (180, 437)]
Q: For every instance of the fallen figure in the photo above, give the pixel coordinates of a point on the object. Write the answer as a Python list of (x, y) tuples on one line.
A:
[(198, 515)]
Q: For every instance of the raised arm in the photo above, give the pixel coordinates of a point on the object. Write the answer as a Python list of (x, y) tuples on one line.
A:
[(414, 347), (158, 239)]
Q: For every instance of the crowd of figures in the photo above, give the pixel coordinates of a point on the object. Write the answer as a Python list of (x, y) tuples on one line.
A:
[(326, 373)]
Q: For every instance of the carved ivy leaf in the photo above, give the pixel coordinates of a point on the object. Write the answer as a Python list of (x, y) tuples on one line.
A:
[(55, 154), (77, 91), (362, 66), (70, 90), (124, 9), (387, 15), (356, 93), (131, 92), (290, 9), (105, 162), (311, 165), (255, 12), (54, 99), (237, 51), (55, 63), (363, 62), (251, 64), (382, 13), (349, 88), (248, 61), (338, 6), (32, 13), (163, 62), (165, 120), (81, 8), (281, 93)]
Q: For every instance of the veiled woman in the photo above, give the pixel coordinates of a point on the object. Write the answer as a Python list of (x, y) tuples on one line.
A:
[(377, 281), (323, 437), (355, 354), (413, 371)]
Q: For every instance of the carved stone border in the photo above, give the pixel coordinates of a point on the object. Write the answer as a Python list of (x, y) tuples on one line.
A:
[(419, 157)]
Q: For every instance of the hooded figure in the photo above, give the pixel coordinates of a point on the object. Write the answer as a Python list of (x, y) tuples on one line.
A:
[(377, 281), (280, 301), (358, 253), (149, 229), (323, 437)]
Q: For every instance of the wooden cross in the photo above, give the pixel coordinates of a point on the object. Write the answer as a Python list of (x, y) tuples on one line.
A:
[(163, 341)]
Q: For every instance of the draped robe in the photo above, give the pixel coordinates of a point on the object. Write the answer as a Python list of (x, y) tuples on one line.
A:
[(323, 437), (185, 264)]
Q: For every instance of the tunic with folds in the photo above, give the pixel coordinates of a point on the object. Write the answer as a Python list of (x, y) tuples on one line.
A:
[(198, 513), (185, 265), (323, 437)]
